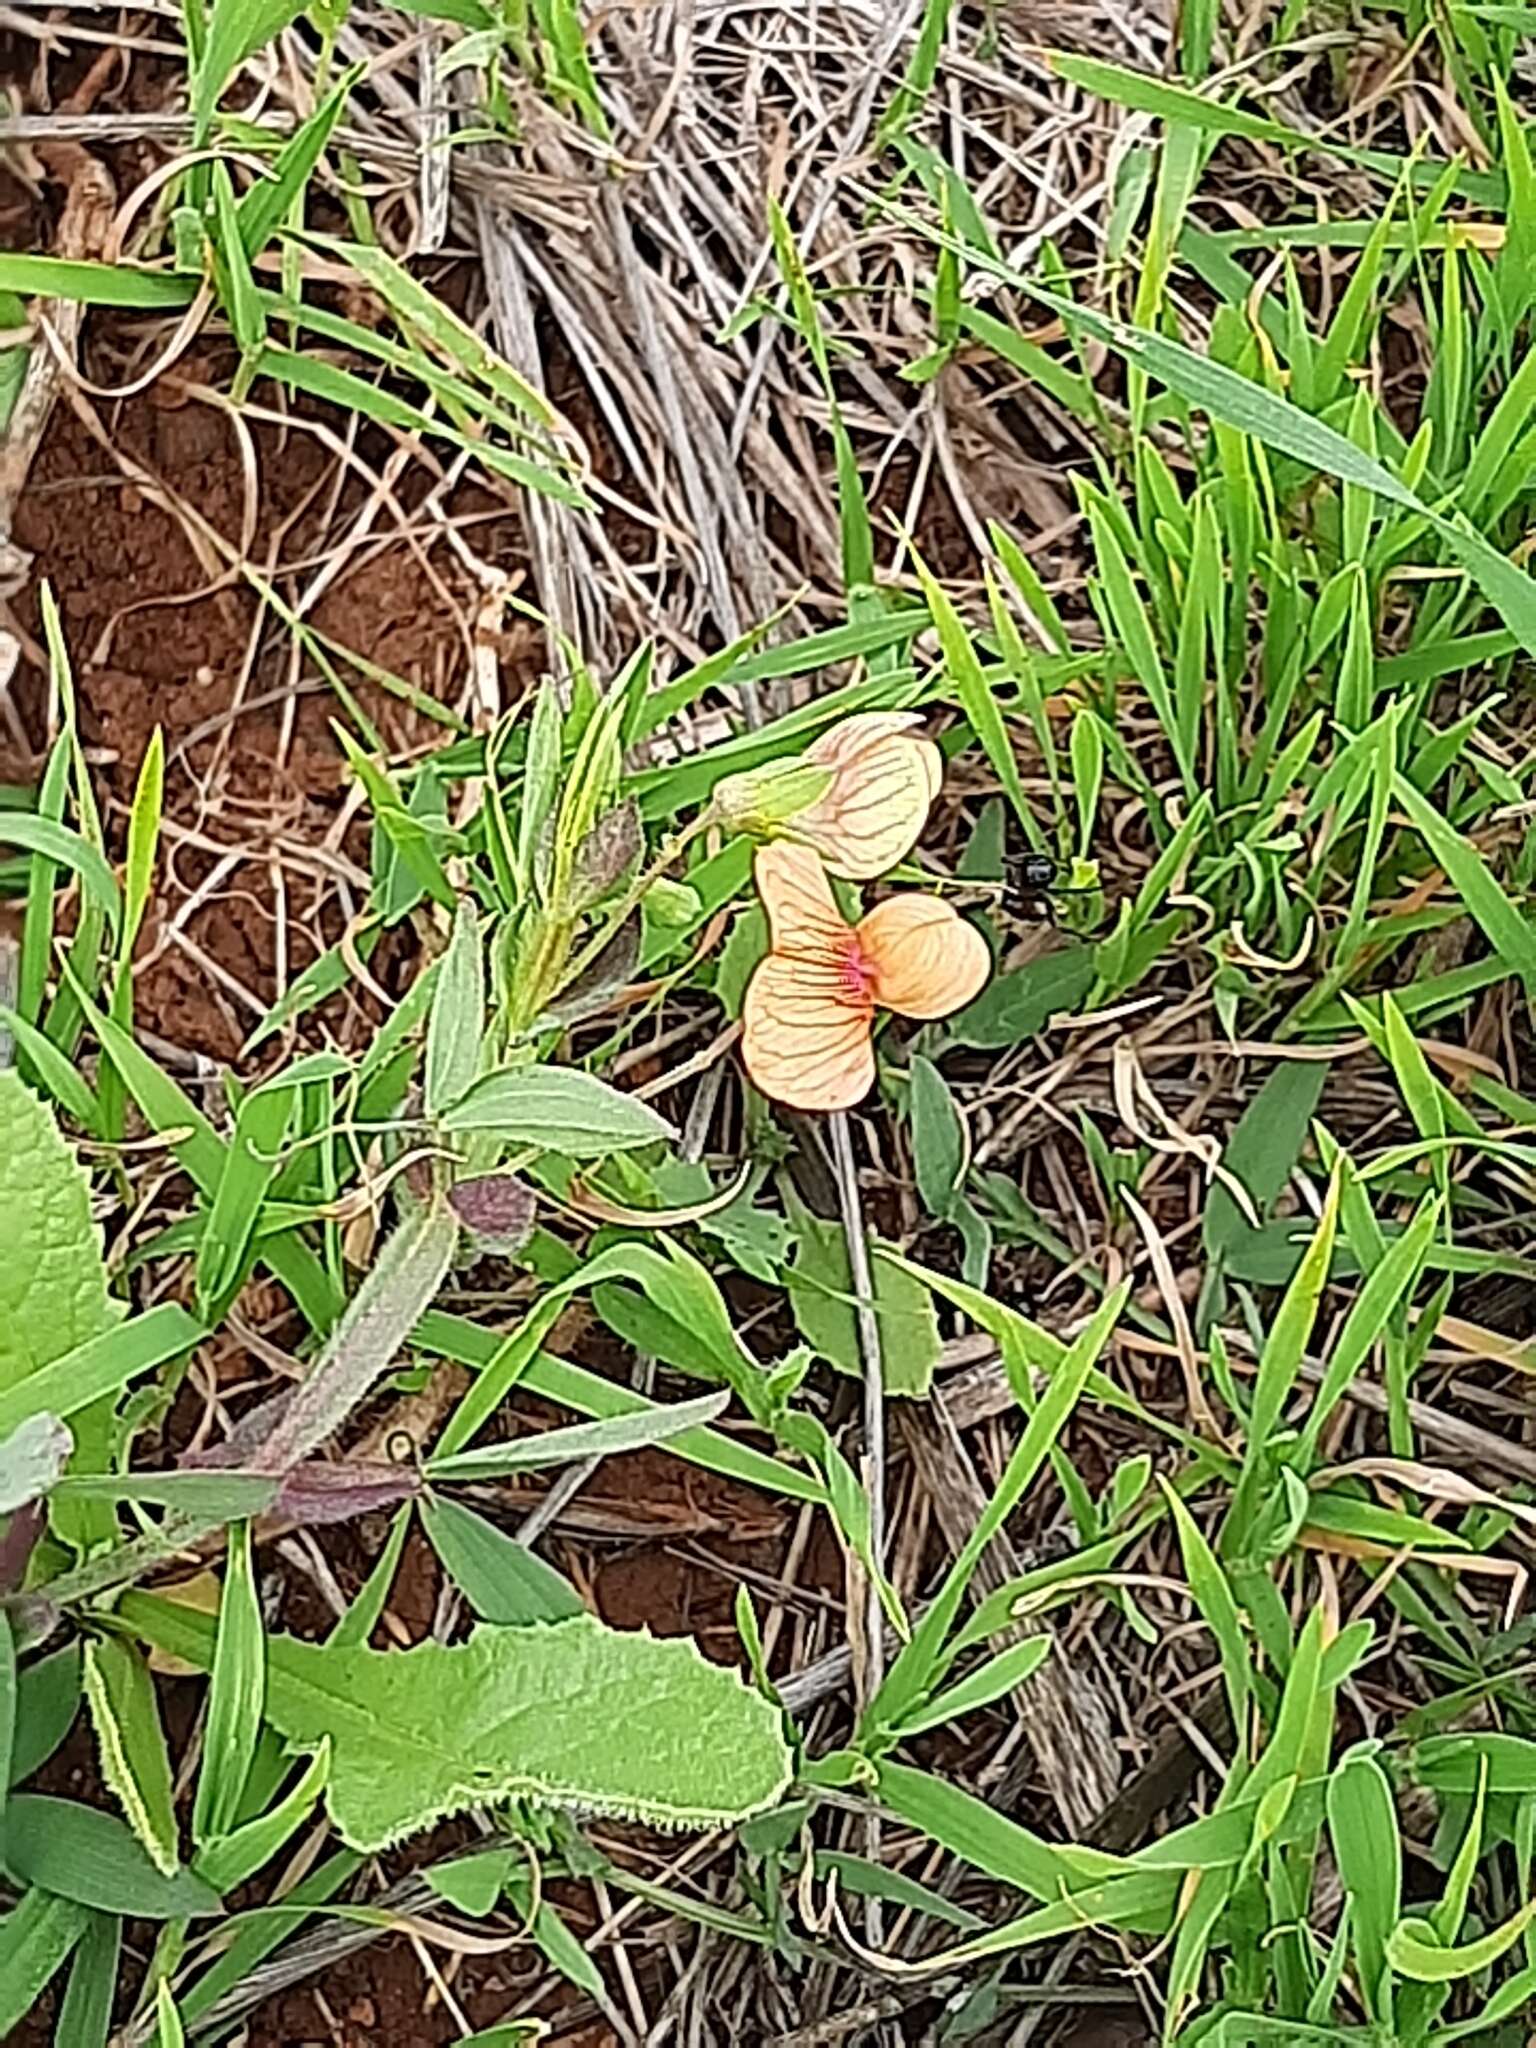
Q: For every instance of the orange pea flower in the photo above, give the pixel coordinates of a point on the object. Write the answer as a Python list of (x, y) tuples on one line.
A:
[(808, 1018), (871, 780)]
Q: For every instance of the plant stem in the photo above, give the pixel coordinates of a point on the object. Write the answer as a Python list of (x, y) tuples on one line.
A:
[(873, 1473)]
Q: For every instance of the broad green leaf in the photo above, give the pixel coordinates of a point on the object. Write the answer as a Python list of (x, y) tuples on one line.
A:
[(1279, 1364), (922, 1657), (10, 1689), (236, 29), (250, 1166), (1212, 1594), (474, 1883), (47, 1701), (93, 284), (90, 1857), (228, 1862), (559, 1108), (1511, 934), (1415, 1950), (169, 2032), (269, 198), (567, 1714), (986, 1839), (821, 1296), (1264, 1147), (574, 1386), (963, 667), (426, 312), (998, 1675), (1368, 1851), (85, 2016), (215, 1495), (53, 1285), (1015, 1006), (131, 1742)]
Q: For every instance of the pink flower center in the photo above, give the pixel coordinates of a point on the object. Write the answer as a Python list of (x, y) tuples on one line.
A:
[(857, 973)]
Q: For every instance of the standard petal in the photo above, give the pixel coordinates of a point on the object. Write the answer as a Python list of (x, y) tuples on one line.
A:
[(805, 1041), (922, 960), (803, 917), (874, 813), (850, 736)]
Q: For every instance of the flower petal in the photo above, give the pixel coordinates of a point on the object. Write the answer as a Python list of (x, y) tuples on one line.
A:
[(806, 1042), (850, 736), (876, 809), (922, 959), (803, 917)]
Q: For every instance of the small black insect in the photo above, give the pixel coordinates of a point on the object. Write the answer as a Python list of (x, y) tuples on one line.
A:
[(1036, 876), (1037, 871)]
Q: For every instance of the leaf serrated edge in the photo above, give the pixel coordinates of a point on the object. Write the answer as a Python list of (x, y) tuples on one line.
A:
[(118, 1771)]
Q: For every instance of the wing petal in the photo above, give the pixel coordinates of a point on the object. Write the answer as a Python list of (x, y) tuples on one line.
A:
[(922, 960), (804, 1040), (803, 917)]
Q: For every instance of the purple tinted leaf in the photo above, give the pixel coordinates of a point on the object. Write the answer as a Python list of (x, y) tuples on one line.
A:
[(612, 970), (239, 1448), (610, 850), (496, 1209), (17, 1544), (317, 1492)]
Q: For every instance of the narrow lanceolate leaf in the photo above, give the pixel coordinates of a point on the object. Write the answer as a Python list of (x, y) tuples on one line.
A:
[(234, 1698), (29, 833), (250, 1165), (581, 1440), (399, 1288), (559, 1108), (1368, 1851), (502, 1579), (131, 1741), (457, 1023), (101, 1365), (1511, 934), (572, 1714)]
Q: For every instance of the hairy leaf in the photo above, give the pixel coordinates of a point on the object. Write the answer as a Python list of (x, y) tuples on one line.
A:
[(53, 1286), (560, 1108), (567, 1714)]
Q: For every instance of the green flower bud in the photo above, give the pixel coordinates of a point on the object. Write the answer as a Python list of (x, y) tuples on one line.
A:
[(762, 801)]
